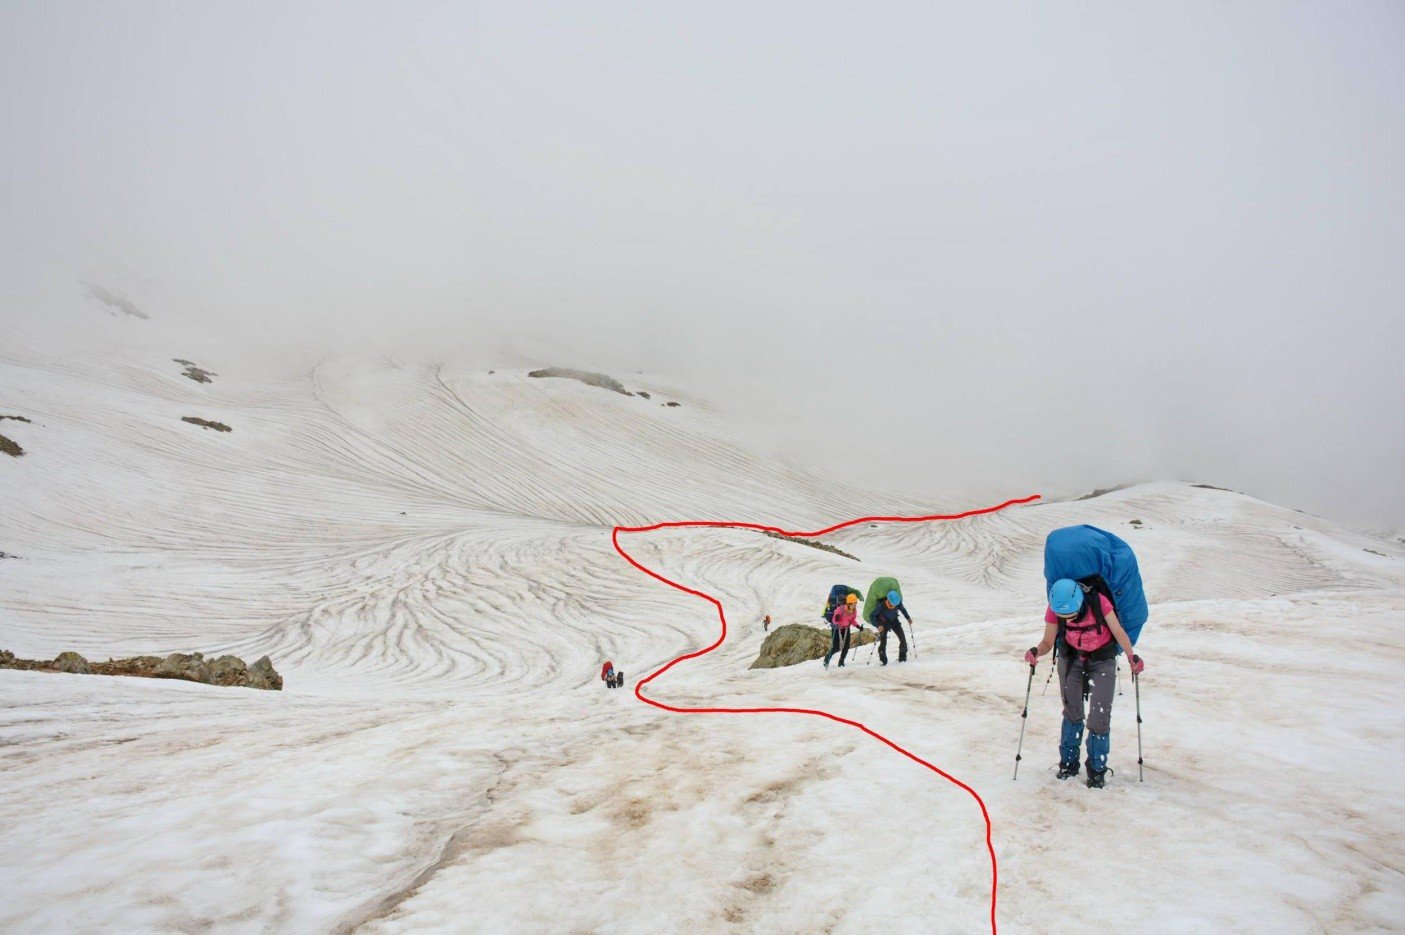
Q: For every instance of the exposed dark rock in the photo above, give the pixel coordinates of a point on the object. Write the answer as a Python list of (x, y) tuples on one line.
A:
[(9, 661), (136, 665), (115, 302), (192, 667), (1213, 487), (583, 376), (206, 423), (673, 405), (263, 675), (822, 546), (189, 666), (1374, 552), (17, 419), (643, 395), (1101, 491), (228, 670), (10, 448), (71, 662), (795, 643), (198, 374)]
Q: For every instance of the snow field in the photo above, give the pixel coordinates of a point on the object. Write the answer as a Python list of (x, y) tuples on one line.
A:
[(424, 550)]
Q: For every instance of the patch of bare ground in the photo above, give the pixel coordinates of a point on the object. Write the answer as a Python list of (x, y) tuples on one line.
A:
[(582, 376), (1099, 492), (10, 447), (822, 546), (759, 883), (198, 374), (206, 423)]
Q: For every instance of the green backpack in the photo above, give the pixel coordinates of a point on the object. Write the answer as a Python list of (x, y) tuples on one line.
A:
[(876, 592)]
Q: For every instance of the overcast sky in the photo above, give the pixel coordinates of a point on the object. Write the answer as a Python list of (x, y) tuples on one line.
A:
[(1045, 247)]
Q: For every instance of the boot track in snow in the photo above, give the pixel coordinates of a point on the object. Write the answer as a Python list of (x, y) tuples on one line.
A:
[(722, 636)]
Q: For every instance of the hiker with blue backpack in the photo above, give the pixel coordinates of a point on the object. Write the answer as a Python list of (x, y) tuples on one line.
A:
[(1096, 609)]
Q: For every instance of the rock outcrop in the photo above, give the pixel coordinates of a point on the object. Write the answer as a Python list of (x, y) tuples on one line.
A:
[(206, 423), (198, 374), (584, 376), (188, 667), (812, 543), (262, 675), (72, 663), (795, 643)]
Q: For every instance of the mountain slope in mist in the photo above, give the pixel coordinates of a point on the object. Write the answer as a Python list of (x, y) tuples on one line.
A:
[(424, 551)]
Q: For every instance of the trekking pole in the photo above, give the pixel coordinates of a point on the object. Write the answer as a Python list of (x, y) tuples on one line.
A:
[(914, 639), (1053, 666), (1024, 720), (1137, 685)]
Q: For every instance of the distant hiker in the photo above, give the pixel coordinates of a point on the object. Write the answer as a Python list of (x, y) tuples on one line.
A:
[(766, 624), (1082, 623), (845, 617), (611, 678)]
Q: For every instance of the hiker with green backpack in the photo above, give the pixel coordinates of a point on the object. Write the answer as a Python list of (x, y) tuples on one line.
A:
[(882, 609)]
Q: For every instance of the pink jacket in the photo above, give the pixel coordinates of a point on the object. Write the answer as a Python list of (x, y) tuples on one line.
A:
[(844, 616)]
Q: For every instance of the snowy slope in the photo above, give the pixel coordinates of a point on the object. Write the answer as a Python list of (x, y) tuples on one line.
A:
[(424, 550)]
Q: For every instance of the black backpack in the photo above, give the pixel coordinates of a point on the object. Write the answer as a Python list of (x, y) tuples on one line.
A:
[(837, 594)]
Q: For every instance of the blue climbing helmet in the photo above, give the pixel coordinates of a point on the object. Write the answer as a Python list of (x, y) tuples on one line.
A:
[(1066, 597), (894, 598)]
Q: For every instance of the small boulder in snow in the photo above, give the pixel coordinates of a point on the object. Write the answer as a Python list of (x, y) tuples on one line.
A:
[(795, 643), (71, 662), (262, 675)]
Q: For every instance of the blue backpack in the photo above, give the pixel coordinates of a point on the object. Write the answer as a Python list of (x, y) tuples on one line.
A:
[(1100, 562)]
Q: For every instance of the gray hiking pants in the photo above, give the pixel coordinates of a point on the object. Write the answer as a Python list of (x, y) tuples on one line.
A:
[(1102, 683)]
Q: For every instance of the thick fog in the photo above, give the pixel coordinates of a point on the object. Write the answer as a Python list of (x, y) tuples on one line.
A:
[(980, 249)]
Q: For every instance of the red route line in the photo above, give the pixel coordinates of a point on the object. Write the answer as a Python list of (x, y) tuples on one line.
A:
[(722, 618)]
